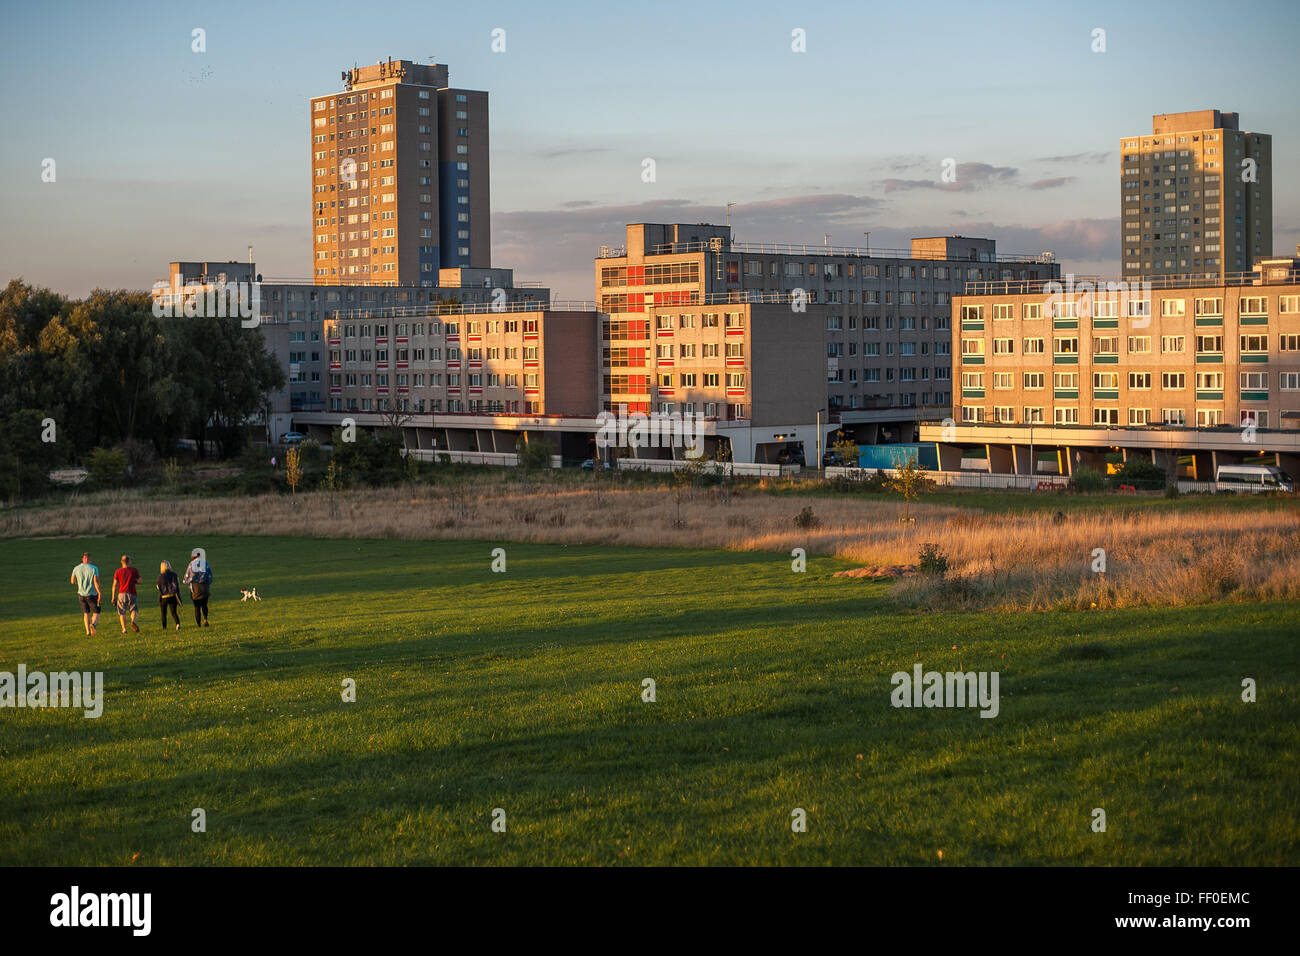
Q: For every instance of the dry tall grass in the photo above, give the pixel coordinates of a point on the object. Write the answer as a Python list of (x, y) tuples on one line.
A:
[(1000, 561)]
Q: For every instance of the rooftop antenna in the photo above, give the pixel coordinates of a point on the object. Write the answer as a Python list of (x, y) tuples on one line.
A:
[(826, 239), (868, 235), (729, 205)]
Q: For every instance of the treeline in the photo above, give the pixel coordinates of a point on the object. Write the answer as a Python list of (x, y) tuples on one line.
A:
[(104, 372)]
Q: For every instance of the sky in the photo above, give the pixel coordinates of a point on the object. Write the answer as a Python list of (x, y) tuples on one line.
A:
[(162, 153)]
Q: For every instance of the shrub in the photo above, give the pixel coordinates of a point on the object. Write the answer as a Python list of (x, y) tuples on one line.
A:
[(535, 454), (1141, 473), (932, 559), (107, 467), (806, 519), (369, 459), (310, 453), (876, 482), (140, 458), (1088, 480), (172, 473)]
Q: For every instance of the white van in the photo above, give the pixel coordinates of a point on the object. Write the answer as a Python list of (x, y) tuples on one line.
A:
[(1253, 478)]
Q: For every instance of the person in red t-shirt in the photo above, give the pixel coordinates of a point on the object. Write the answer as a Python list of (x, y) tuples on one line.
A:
[(124, 595)]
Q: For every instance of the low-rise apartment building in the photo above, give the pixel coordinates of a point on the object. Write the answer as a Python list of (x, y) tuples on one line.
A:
[(519, 361), (1171, 351), (292, 312)]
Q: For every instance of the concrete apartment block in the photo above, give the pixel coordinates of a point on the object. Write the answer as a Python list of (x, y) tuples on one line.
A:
[(879, 320), (538, 362), (1180, 354), (400, 177), (1196, 197), (293, 312)]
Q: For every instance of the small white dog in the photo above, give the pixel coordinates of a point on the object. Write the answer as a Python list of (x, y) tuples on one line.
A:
[(249, 594)]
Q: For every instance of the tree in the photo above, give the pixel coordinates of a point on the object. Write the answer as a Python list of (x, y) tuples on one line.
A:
[(233, 371), (395, 420), (534, 454), (846, 448), (25, 460), (910, 481), (332, 483), (293, 468)]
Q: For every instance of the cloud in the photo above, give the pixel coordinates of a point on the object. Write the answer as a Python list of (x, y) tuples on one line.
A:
[(1093, 158), (903, 163), (1071, 240), (558, 246), (970, 177), (1051, 183), (574, 151)]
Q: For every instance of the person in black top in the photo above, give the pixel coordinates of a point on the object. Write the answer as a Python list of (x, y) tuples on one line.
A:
[(169, 593)]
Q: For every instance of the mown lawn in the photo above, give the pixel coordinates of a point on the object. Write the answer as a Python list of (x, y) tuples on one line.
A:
[(522, 691)]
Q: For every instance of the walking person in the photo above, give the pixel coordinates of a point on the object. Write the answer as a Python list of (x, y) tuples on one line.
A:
[(124, 596), (199, 577), (86, 577), (169, 593)]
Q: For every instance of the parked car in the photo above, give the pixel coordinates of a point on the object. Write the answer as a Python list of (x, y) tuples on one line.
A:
[(832, 459), (590, 465), (292, 438)]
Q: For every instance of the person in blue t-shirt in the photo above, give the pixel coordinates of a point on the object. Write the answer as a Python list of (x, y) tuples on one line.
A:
[(86, 577)]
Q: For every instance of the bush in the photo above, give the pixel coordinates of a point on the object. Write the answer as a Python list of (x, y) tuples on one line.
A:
[(1141, 473), (172, 474), (141, 459), (107, 467), (1088, 480), (310, 453), (535, 454), (370, 460), (932, 559), (806, 519)]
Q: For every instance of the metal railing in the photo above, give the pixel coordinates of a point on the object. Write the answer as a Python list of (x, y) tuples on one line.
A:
[(406, 286), (812, 249), (1100, 285), (434, 310)]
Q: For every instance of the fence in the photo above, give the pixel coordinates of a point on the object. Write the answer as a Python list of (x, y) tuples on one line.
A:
[(965, 479), (1224, 487), (745, 469), (949, 479), (500, 458)]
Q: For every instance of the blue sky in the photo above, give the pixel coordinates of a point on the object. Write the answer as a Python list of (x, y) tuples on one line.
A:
[(163, 153)]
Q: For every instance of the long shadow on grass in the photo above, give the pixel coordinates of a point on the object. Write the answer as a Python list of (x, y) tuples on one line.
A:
[(567, 632), (916, 787)]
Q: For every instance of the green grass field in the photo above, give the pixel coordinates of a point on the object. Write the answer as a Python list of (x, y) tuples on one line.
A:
[(522, 691)]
